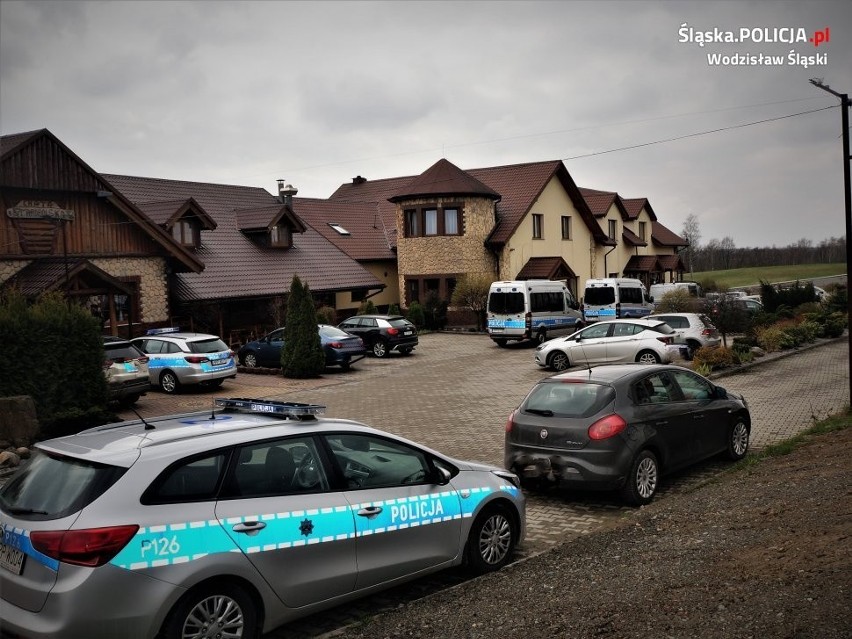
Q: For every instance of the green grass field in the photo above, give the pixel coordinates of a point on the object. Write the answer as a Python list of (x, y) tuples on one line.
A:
[(753, 276)]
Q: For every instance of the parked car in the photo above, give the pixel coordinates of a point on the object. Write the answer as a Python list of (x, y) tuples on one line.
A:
[(341, 348), (693, 329), (383, 333), (230, 522), (126, 371), (648, 341), (176, 358), (622, 427)]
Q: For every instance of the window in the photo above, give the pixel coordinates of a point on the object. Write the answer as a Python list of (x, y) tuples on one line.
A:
[(538, 223), (432, 285), (279, 236), (552, 301), (451, 221), (358, 296), (339, 229), (613, 229), (630, 294), (433, 220), (505, 303), (418, 287), (412, 291), (279, 467), (412, 223), (186, 233), (642, 230), (566, 227), (195, 479), (626, 330), (692, 387), (366, 461)]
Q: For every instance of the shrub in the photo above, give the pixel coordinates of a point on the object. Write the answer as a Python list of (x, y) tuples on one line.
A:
[(326, 315), (675, 301), (701, 369), (393, 309), (415, 315), (471, 292), (302, 355), (773, 338), (714, 358), (367, 308), (434, 312)]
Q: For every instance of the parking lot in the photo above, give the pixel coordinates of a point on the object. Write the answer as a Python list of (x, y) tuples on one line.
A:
[(455, 393)]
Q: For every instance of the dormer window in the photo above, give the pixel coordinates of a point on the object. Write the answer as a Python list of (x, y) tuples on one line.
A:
[(280, 236), (186, 232)]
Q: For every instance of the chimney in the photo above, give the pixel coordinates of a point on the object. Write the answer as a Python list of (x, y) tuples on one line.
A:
[(358, 180), (286, 193)]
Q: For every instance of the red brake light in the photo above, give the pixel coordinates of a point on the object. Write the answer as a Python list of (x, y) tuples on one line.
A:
[(706, 331), (665, 340), (142, 360), (196, 359), (606, 427), (393, 331), (90, 547), (335, 344)]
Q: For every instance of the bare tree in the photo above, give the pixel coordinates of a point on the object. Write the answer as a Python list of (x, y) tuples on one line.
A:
[(692, 233)]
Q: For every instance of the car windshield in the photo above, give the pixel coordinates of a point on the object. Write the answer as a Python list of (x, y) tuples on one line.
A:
[(213, 345), (121, 352), (569, 399), (600, 295), (52, 487), (506, 303)]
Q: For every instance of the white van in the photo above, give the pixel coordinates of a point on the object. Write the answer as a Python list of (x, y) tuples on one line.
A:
[(531, 309), (658, 290), (614, 297)]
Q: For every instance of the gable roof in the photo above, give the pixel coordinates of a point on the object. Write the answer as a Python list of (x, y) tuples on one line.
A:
[(444, 179), (13, 150), (50, 274), (671, 263), (642, 264), (634, 206), (631, 238), (236, 267), (600, 202), (263, 218), (546, 268), (166, 213)]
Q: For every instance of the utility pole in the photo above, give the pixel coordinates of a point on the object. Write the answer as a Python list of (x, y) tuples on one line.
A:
[(847, 188)]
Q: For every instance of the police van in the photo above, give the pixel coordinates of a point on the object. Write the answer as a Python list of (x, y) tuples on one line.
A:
[(531, 309), (658, 290), (615, 297)]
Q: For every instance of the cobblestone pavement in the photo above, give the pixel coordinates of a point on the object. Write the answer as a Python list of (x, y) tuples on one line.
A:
[(455, 393)]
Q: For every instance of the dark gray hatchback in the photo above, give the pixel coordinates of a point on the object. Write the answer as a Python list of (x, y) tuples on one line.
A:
[(621, 427)]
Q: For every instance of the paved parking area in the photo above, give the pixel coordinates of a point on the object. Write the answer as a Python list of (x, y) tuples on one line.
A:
[(455, 393)]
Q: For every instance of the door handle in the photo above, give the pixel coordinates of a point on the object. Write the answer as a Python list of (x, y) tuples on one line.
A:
[(251, 528), (370, 511)]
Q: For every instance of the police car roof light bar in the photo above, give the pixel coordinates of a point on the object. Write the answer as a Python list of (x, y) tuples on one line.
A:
[(270, 407), (163, 331)]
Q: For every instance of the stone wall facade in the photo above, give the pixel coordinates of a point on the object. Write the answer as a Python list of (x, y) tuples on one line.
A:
[(153, 283)]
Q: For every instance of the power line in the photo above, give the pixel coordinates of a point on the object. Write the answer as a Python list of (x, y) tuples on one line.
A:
[(700, 133)]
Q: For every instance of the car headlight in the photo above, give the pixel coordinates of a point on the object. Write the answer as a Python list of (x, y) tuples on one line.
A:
[(512, 478)]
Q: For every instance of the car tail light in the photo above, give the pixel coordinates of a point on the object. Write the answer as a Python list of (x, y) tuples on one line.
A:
[(107, 363), (335, 344), (142, 360), (393, 331), (510, 423), (707, 331), (607, 427), (90, 547), (196, 359), (665, 340), (528, 321)]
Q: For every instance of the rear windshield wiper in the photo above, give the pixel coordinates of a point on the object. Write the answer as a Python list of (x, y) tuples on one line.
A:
[(544, 412)]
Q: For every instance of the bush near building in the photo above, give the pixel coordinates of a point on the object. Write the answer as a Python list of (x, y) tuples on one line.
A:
[(53, 352)]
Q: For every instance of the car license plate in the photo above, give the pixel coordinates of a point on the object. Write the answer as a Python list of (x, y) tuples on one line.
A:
[(407, 332), (11, 559)]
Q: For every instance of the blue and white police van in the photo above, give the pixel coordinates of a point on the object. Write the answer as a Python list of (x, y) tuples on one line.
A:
[(614, 298), (531, 309)]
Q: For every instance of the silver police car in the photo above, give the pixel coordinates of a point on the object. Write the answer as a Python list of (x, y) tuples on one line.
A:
[(177, 358), (233, 521)]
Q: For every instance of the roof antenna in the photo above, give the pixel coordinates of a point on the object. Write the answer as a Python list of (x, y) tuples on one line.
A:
[(212, 409), (142, 419)]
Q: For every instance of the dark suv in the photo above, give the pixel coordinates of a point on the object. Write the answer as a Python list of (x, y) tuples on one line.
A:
[(383, 333)]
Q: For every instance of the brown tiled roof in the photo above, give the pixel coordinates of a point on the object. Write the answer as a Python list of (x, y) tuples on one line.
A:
[(545, 268), (642, 264), (9, 143), (633, 207), (599, 201), (662, 236), (235, 266), (631, 238), (167, 212), (444, 179), (368, 237), (263, 218), (671, 263), (51, 273)]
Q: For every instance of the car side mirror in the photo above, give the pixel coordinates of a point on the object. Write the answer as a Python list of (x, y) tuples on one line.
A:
[(442, 476), (720, 393)]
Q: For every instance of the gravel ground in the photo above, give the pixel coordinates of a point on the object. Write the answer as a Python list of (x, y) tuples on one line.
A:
[(761, 552)]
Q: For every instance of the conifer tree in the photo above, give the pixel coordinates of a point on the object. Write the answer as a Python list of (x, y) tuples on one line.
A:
[(302, 355)]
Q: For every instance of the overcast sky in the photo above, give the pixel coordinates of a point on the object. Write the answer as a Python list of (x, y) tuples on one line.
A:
[(317, 93)]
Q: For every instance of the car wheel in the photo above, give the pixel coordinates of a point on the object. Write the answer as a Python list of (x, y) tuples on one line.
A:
[(129, 400), (491, 541), (642, 480), (250, 360), (169, 382), (501, 342), (224, 607), (559, 361), (541, 337), (738, 440), (648, 357), (380, 349)]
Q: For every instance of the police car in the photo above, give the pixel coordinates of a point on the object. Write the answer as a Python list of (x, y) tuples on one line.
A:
[(236, 520), (176, 358)]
